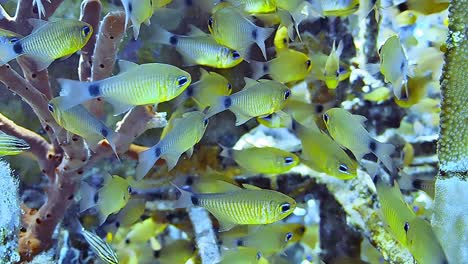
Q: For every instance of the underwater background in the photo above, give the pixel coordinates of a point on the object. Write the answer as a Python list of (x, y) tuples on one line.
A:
[(234, 131)]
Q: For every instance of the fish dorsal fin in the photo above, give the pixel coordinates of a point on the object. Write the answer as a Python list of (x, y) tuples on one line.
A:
[(125, 65), (359, 118), (251, 187), (224, 186), (36, 23), (203, 73), (195, 31), (249, 82)]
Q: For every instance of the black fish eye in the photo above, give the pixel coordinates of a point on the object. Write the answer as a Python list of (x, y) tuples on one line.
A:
[(229, 86), (337, 74), (308, 63), (288, 237), (259, 255), (235, 55), (288, 160), (343, 168), (129, 189), (50, 107), (210, 22), (85, 30), (285, 207), (181, 80), (325, 118), (205, 122), (287, 94), (406, 227), (268, 117), (13, 39)]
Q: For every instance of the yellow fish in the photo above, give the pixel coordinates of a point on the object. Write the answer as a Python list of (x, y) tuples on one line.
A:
[(426, 7), (186, 132), (49, 41), (332, 72), (179, 251), (396, 212), (199, 48), (206, 91), (266, 160), (10, 145), (281, 40), (141, 232), (79, 121), (150, 83), (423, 243), (378, 95), (231, 28), (112, 197), (339, 7), (322, 154), (258, 98), (394, 64), (348, 131), (138, 12), (255, 6), (243, 255), (407, 18), (249, 206), (288, 66)]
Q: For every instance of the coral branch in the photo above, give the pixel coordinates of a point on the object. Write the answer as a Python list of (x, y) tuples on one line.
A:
[(204, 235), (90, 13), (41, 149)]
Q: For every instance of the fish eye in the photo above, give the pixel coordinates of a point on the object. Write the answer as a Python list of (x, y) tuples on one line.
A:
[(288, 237), (181, 80), (288, 160), (205, 122), (285, 207), (13, 39), (343, 168), (210, 22), (285, 41), (325, 118), (268, 117), (85, 31), (129, 189), (50, 107), (308, 63), (287, 94), (337, 74), (406, 227), (229, 86), (235, 55), (259, 255)]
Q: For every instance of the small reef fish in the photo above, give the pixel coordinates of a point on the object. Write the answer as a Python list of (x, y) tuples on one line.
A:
[(10, 145), (256, 6), (186, 132), (150, 83), (281, 40), (249, 206), (100, 247), (395, 211), (331, 72), (131, 213), (266, 160), (143, 231), (322, 154), (79, 121), (241, 255), (426, 7), (348, 131), (206, 91), (394, 64), (378, 95), (423, 243), (288, 66), (258, 98), (231, 28), (138, 12), (179, 251), (112, 197), (199, 48), (425, 185), (339, 7), (49, 41)]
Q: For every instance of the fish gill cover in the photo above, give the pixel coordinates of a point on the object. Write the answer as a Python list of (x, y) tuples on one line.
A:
[(235, 131)]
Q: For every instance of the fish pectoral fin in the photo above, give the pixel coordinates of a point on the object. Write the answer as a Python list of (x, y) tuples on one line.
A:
[(171, 159), (119, 107), (41, 62), (126, 65), (241, 118), (225, 225)]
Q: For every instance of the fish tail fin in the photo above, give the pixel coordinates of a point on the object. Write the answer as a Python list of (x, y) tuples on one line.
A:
[(112, 139), (225, 151), (222, 103), (185, 199), (87, 196), (146, 160), (258, 69), (75, 92), (261, 35), (136, 30), (171, 159), (339, 49), (160, 35), (383, 152)]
